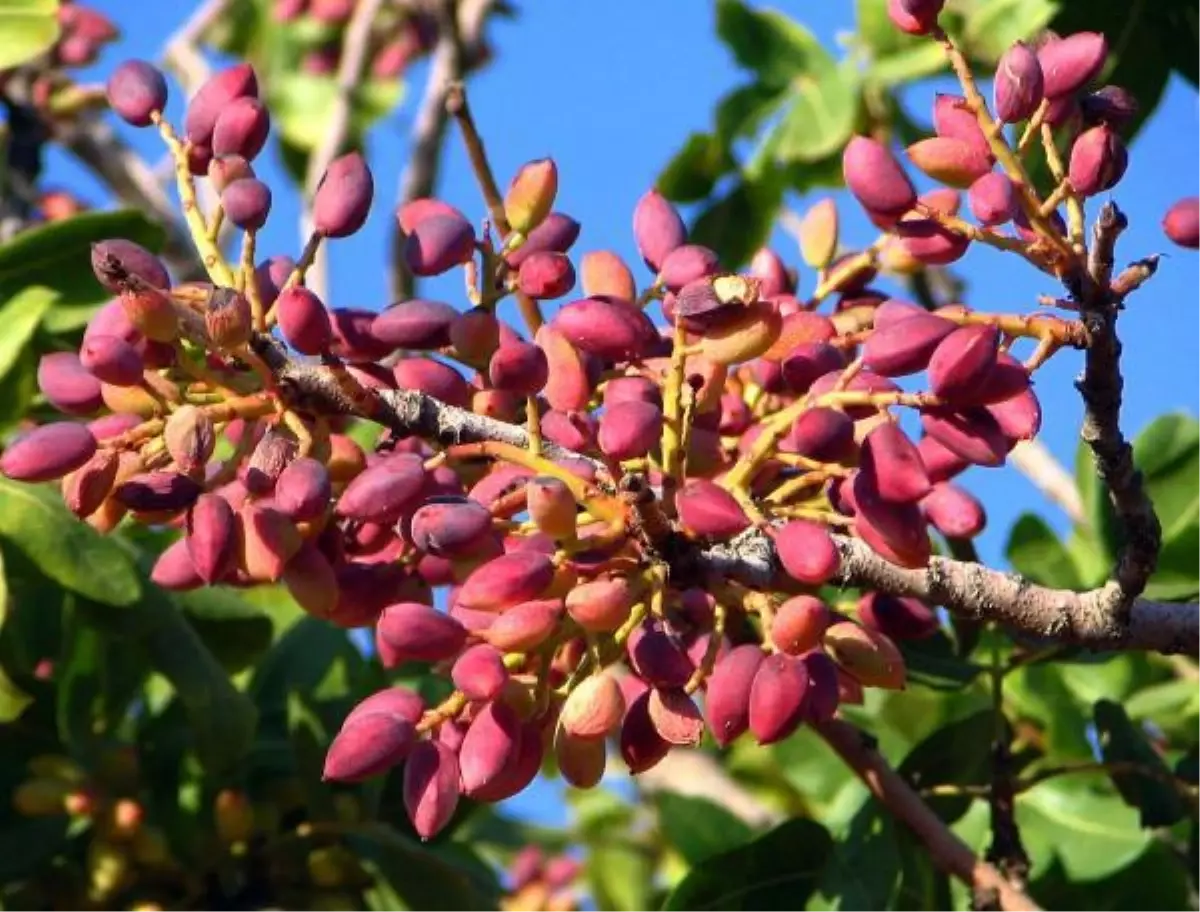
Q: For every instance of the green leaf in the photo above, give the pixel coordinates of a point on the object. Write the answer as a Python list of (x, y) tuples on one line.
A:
[(739, 223), (864, 868), (68, 551), (1150, 792), (1158, 879), (744, 110), (58, 255), (30, 844), (77, 674), (29, 27), (695, 169), (1092, 833), (775, 47), (298, 661), (13, 700), (1038, 692), (1172, 705), (302, 104), (822, 115), (933, 662), (908, 65), (1165, 444), (779, 870), (20, 316), (17, 388), (958, 753), (1036, 552), (422, 877), (698, 828), (235, 630), (619, 875), (221, 718), (992, 27), (1147, 42)]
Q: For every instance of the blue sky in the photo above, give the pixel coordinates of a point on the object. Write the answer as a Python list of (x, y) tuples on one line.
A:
[(611, 89)]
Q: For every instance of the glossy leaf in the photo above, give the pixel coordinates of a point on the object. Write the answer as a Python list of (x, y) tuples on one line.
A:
[(29, 28), (779, 870), (20, 316), (34, 520), (698, 828), (1150, 792)]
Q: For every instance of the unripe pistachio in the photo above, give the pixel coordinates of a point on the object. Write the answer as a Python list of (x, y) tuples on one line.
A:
[(343, 197), (530, 196), (876, 178), (1019, 84), (190, 438), (136, 90)]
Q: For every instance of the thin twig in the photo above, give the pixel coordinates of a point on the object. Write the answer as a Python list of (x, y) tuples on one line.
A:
[(948, 852), (1033, 460), (333, 138), (1101, 386), (428, 133)]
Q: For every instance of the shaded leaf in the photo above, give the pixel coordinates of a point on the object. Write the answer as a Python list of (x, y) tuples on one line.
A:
[(992, 27), (1036, 552), (20, 316), (57, 255), (698, 828), (863, 871), (779, 870), (958, 753), (235, 630), (1150, 792), (739, 223), (933, 662), (822, 114), (774, 46), (302, 104), (71, 553), (744, 110), (695, 169), (29, 28), (1092, 833), (419, 875), (619, 875)]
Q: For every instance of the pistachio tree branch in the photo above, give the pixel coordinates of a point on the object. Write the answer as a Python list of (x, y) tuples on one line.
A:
[(966, 589), (355, 45), (1101, 385), (948, 852), (428, 133)]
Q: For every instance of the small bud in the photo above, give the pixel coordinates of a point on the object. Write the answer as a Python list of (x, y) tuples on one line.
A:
[(819, 234), (215, 96), (85, 489), (551, 506), (531, 195), (431, 787), (657, 229), (438, 243), (48, 452), (1098, 161), (605, 273), (595, 707), (343, 198), (247, 203), (212, 537), (546, 275), (190, 438), (949, 161), (1068, 64), (303, 320), (67, 385), (241, 129), (915, 17), (1019, 84), (228, 319), (136, 90), (233, 816), (876, 178), (1182, 222), (993, 199)]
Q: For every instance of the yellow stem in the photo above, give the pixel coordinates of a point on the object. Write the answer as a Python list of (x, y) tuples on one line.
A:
[(210, 255)]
